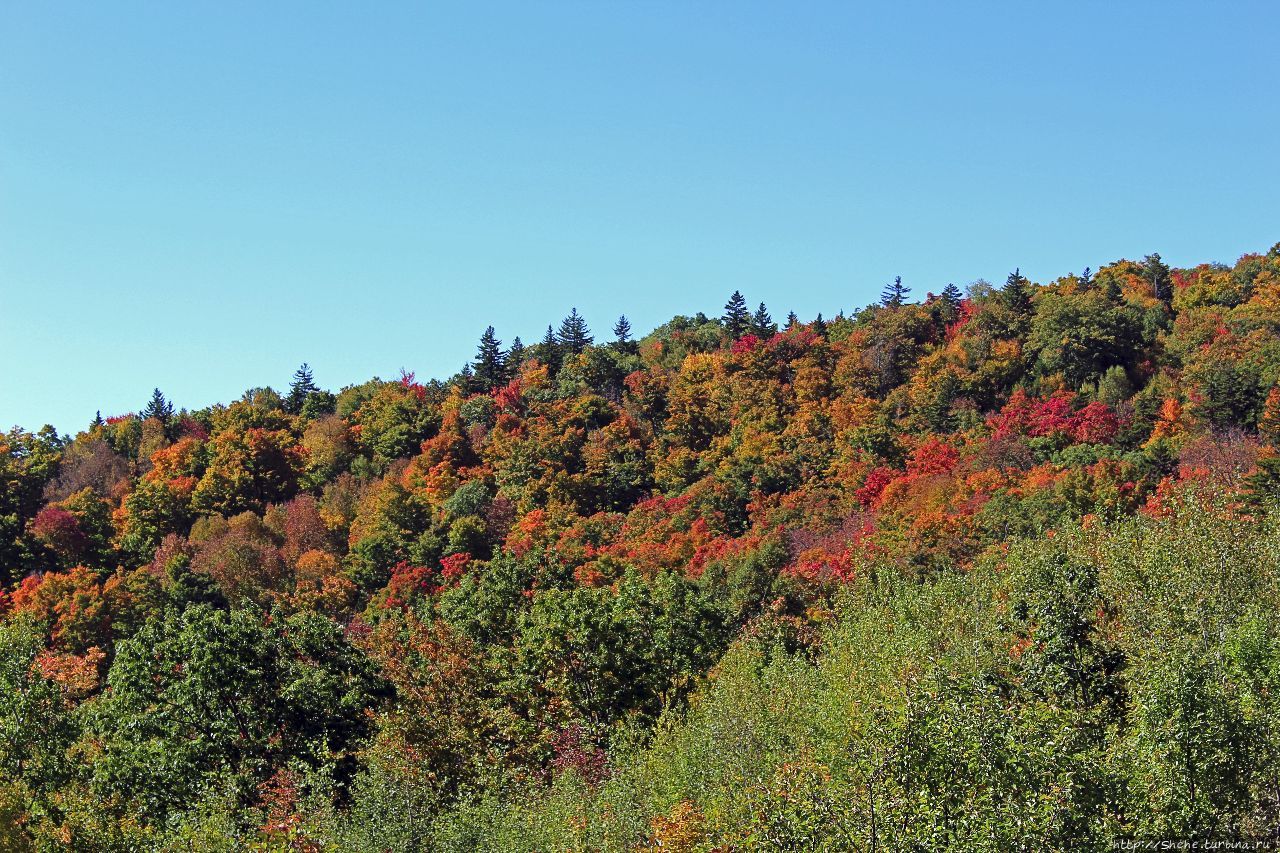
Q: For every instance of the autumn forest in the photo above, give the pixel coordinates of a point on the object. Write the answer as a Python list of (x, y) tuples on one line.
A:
[(991, 568)]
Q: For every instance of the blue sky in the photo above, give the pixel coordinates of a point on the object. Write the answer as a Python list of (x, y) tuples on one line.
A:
[(200, 196)]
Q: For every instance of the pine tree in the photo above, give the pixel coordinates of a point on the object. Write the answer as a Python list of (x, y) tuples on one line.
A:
[(549, 349), (622, 330), (1086, 279), (762, 324), (490, 368), (302, 387), (159, 408), (736, 318), (792, 320), (1161, 278), (467, 379), (1016, 293), (894, 295), (574, 336), (820, 325), (515, 356), (97, 420), (952, 297)]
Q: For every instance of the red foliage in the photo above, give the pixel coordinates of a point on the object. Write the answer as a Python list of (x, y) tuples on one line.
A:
[(454, 566), (934, 456), (745, 344), (873, 486)]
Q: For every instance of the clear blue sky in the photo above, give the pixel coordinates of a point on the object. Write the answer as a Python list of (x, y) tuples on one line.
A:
[(200, 196)]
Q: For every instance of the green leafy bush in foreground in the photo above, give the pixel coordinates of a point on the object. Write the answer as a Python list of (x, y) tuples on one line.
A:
[(1103, 683)]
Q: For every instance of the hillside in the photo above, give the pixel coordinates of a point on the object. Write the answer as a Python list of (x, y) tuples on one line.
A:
[(994, 568)]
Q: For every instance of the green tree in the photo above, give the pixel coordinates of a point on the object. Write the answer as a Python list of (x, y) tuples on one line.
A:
[(736, 319), (894, 295), (302, 386), (490, 365), (574, 336)]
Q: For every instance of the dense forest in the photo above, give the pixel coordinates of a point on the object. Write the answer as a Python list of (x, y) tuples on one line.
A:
[(994, 568)]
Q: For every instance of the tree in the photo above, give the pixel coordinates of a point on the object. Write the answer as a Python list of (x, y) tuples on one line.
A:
[(159, 408), (302, 387), (574, 336), (622, 330), (737, 319), (233, 696), (515, 356), (792, 320), (1016, 293), (894, 295), (820, 325), (490, 365), (952, 297), (762, 324), (1158, 273)]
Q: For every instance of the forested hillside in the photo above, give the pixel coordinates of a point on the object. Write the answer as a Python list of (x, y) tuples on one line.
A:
[(989, 568)]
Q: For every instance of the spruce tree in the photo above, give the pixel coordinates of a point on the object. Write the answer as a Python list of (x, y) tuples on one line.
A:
[(574, 336), (792, 320), (490, 369), (1160, 276), (549, 349), (820, 325), (1086, 279), (159, 408), (894, 295), (302, 387), (515, 356), (952, 297), (622, 330), (97, 420), (762, 324), (737, 318), (1016, 293)]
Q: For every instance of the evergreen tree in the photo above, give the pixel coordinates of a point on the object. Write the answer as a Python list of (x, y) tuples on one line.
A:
[(952, 297), (820, 325), (515, 356), (1086, 279), (97, 420), (490, 366), (549, 349), (895, 294), (622, 330), (1161, 278), (737, 318), (574, 336), (762, 324), (302, 387), (792, 320), (467, 378), (159, 408), (1016, 293)]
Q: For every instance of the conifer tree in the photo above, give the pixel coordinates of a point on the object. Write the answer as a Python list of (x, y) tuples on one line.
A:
[(952, 297), (1016, 293), (490, 367), (737, 318), (574, 336), (1160, 276), (622, 330), (549, 349), (894, 295), (1086, 279), (97, 420), (762, 324), (792, 320), (515, 356), (303, 386), (820, 325), (159, 408)]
